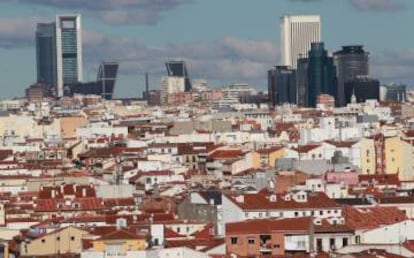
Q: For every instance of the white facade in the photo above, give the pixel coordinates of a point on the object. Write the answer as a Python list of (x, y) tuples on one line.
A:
[(297, 34)]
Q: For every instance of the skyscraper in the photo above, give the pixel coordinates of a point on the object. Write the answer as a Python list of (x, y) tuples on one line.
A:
[(46, 55), (179, 69), (350, 62), (363, 88), (321, 73), (297, 34), (69, 51), (281, 85), (103, 86)]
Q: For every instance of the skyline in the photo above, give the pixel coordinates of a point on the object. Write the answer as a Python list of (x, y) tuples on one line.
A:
[(221, 50)]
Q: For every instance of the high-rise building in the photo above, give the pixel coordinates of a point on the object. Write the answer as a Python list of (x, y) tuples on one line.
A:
[(394, 92), (302, 82), (103, 86), (178, 68), (350, 62), (281, 85), (46, 55), (69, 51), (362, 88), (321, 73), (297, 34)]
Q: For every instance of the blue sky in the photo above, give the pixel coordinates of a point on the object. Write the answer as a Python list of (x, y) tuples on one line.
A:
[(223, 41)]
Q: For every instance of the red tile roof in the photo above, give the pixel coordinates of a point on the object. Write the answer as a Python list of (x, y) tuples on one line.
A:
[(121, 235), (306, 148), (384, 179), (370, 218), (226, 154), (264, 226), (262, 201)]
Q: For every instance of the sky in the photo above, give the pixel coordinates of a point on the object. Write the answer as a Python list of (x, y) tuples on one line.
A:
[(222, 41)]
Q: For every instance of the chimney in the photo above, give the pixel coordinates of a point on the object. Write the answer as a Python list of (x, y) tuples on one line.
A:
[(240, 199), (146, 87), (84, 192)]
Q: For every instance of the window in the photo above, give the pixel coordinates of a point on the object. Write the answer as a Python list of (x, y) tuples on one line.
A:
[(260, 214), (234, 240), (251, 241), (320, 212), (72, 238), (43, 241), (296, 213), (344, 242), (319, 244), (188, 229), (357, 239), (332, 243), (367, 160), (178, 230), (58, 238), (312, 213)]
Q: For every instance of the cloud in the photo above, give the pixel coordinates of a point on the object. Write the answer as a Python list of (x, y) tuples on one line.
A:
[(116, 12), (227, 58), (393, 65), (377, 5), (17, 33)]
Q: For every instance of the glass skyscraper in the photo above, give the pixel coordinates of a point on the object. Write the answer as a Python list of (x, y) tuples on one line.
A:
[(350, 62), (46, 55), (321, 73), (69, 51), (59, 53), (177, 68), (281, 85)]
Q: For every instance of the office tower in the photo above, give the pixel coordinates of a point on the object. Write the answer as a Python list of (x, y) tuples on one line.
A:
[(281, 85), (106, 79), (297, 34), (321, 73), (302, 82), (362, 88), (394, 92), (104, 85), (69, 51), (350, 62), (46, 55), (179, 69)]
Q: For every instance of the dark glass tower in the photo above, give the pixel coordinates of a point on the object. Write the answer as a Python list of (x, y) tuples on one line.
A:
[(179, 69), (46, 55), (104, 85), (321, 73), (350, 62), (281, 85), (302, 82), (107, 77), (363, 88)]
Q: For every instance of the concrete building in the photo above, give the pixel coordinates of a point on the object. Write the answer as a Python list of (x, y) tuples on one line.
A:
[(297, 34)]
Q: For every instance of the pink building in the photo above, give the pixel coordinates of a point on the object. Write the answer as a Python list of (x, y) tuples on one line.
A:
[(345, 177)]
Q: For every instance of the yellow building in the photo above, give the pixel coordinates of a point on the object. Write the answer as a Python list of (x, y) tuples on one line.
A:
[(63, 240), (120, 241), (368, 156), (70, 124), (393, 155), (268, 156)]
